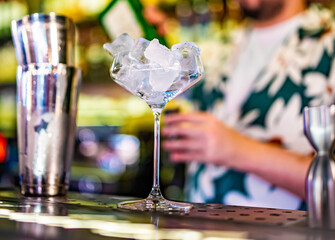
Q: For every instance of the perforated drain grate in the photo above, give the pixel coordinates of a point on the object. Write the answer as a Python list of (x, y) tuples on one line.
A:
[(267, 216), (270, 216)]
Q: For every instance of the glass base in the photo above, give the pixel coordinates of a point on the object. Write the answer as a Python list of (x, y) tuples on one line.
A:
[(155, 202), (162, 205)]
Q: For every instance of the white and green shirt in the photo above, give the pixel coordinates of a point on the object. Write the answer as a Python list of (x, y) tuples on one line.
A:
[(264, 100)]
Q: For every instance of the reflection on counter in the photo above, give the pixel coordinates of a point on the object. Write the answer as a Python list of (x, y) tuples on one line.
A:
[(46, 217), (37, 207)]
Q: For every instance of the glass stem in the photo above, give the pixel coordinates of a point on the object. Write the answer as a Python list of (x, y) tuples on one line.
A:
[(155, 188)]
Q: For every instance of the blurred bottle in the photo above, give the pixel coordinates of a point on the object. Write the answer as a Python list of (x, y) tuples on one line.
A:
[(127, 16)]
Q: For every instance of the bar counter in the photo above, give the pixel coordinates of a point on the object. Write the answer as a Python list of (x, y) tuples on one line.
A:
[(92, 216)]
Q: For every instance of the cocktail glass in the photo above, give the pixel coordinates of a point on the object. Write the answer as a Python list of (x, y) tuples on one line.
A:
[(139, 81)]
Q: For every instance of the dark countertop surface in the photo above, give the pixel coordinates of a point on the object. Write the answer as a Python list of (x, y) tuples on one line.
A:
[(91, 216)]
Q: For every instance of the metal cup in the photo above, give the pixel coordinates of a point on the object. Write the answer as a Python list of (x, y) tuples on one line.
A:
[(319, 128), (44, 38), (47, 97)]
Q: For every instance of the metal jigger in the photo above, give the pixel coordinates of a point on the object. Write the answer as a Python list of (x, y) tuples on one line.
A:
[(319, 128), (47, 95)]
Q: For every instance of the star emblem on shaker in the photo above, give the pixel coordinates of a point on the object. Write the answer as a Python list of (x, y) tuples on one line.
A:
[(41, 126)]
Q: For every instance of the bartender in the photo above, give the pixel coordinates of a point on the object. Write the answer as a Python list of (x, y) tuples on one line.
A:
[(246, 144)]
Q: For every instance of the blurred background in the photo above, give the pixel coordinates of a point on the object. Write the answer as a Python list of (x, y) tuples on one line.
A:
[(114, 142)]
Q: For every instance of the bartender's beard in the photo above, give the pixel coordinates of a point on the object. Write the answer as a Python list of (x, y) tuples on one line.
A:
[(266, 10)]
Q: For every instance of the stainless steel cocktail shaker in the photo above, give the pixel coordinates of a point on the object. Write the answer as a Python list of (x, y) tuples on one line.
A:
[(47, 95)]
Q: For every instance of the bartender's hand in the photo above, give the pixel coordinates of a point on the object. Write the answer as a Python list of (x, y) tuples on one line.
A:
[(203, 138), (200, 137)]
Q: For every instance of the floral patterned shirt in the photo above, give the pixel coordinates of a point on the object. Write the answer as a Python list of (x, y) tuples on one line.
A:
[(299, 74)]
